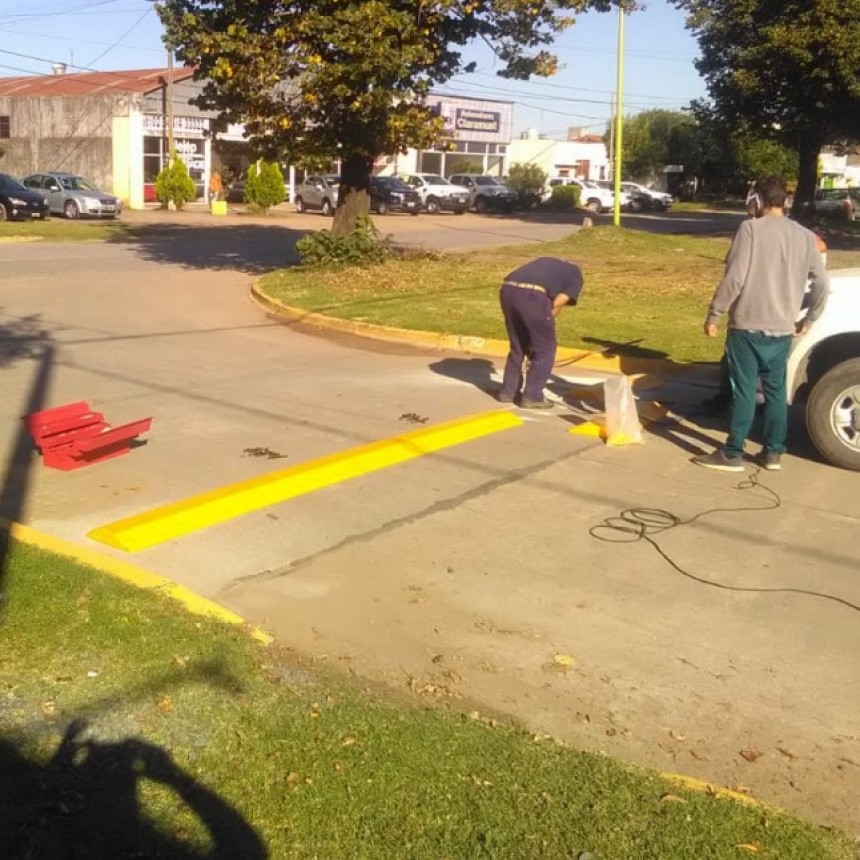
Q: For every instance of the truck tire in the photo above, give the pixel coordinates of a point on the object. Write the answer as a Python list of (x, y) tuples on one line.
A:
[(432, 205), (481, 205), (833, 415), (326, 207), (300, 205), (593, 205)]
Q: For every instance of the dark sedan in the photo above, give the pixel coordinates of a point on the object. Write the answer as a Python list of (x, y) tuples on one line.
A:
[(18, 203), (389, 194)]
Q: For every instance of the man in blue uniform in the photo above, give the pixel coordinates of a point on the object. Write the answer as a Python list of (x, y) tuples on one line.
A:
[(532, 296)]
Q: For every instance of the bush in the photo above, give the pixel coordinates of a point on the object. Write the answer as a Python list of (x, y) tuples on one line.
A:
[(363, 245), (264, 186), (173, 184), (565, 197), (528, 181)]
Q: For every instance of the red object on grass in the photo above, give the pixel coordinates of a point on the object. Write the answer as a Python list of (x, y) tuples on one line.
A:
[(72, 436)]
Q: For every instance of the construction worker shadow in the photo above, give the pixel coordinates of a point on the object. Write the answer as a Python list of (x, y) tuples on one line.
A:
[(475, 371), (85, 803)]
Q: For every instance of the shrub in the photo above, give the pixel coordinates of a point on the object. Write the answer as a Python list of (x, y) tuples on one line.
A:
[(173, 184), (565, 197), (363, 245), (264, 186), (528, 181)]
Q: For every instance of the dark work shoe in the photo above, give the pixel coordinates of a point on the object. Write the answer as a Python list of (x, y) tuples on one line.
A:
[(769, 460), (506, 398), (536, 404), (720, 460)]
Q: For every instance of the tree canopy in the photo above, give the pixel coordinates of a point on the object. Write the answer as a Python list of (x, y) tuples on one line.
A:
[(787, 70), (346, 80)]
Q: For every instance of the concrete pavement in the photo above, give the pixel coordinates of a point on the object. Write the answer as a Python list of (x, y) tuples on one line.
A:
[(462, 574)]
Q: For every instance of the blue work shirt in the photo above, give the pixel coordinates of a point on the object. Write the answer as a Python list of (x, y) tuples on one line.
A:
[(554, 275)]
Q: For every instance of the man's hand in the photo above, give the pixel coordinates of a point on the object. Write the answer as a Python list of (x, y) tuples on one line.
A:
[(710, 329), (801, 327)]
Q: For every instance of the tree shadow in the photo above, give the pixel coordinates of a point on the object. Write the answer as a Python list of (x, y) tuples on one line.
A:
[(85, 803), (251, 248)]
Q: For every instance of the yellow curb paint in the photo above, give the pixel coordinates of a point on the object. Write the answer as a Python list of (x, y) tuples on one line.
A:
[(565, 356), (589, 428), (130, 574), (694, 784), (216, 506)]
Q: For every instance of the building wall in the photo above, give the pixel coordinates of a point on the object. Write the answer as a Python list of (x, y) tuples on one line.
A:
[(71, 133), (562, 157)]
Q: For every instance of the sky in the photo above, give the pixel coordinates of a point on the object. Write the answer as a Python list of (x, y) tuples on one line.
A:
[(110, 35)]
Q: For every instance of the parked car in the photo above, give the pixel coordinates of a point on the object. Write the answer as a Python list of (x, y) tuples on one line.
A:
[(390, 194), (591, 195), (20, 203), (824, 368), (840, 202), (73, 196), (437, 193), (486, 192), (642, 198), (318, 192)]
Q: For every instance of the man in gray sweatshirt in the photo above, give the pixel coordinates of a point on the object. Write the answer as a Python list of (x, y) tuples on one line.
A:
[(771, 261)]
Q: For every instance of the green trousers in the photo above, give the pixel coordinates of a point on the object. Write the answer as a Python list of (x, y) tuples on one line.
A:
[(753, 355)]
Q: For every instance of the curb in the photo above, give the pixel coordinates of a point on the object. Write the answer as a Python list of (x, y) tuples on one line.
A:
[(469, 344), (131, 575)]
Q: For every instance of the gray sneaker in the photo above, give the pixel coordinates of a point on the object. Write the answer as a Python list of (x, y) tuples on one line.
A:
[(536, 404), (720, 460), (769, 460)]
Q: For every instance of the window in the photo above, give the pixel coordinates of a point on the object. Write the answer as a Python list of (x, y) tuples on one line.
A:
[(4, 126)]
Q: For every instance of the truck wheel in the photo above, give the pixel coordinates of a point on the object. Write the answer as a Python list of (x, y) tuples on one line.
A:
[(382, 207), (593, 205), (833, 415), (432, 205), (480, 205), (300, 205), (326, 207)]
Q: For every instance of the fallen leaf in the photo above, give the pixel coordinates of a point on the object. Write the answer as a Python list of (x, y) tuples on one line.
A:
[(786, 753), (563, 660), (751, 755), (292, 778), (164, 704), (750, 847), (678, 736), (349, 741), (672, 798), (180, 661)]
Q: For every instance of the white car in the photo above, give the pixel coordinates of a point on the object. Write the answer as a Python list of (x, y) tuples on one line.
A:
[(591, 195), (437, 193), (824, 367), (640, 197)]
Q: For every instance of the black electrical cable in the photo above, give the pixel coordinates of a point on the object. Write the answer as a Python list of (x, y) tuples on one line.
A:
[(642, 524)]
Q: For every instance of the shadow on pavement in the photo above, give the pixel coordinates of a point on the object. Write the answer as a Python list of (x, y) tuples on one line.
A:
[(251, 248), (475, 371), (84, 802)]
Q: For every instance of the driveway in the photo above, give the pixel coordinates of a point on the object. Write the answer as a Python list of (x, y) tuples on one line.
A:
[(470, 577)]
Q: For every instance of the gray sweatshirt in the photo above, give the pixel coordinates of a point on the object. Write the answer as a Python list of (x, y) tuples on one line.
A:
[(767, 270)]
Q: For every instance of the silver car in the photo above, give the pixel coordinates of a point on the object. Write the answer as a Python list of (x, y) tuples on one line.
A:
[(73, 196), (486, 192), (318, 192)]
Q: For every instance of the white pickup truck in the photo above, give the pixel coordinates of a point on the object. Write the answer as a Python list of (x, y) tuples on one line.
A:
[(824, 369)]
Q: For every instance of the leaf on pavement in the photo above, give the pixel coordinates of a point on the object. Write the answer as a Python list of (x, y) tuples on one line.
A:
[(751, 755)]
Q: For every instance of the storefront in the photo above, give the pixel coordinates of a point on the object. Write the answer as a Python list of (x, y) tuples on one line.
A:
[(192, 142)]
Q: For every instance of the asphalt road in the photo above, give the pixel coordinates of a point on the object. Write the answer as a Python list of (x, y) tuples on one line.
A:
[(464, 572)]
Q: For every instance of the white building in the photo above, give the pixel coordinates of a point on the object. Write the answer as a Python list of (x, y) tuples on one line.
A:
[(583, 157)]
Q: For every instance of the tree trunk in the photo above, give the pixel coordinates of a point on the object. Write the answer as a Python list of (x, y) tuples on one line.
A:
[(352, 199), (807, 178)]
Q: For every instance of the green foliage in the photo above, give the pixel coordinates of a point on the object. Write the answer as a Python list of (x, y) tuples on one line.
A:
[(528, 180), (565, 197), (655, 138), (788, 71), (757, 156), (362, 246), (174, 185), (264, 186)]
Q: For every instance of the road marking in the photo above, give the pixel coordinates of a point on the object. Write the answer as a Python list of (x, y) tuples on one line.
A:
[(216, 506)]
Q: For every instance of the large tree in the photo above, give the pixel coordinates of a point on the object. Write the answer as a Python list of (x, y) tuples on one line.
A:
[(788, 70), (345, 79)]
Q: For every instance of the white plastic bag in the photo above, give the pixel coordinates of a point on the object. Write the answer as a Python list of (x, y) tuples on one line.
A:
[(622, 420)]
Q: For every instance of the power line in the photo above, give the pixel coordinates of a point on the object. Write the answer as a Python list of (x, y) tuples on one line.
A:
[(126, 33)]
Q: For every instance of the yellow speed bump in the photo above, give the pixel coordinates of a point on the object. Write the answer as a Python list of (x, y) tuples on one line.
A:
[(216, 506)]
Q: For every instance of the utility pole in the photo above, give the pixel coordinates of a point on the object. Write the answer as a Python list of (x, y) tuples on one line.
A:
[(169, 118), (612, 137), (616, 217)]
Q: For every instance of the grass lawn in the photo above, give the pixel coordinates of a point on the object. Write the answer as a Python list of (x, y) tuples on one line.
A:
[(132, 729), (646, 290), (61, 230)]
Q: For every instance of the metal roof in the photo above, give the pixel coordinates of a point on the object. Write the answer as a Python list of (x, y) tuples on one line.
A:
[(91, 83)]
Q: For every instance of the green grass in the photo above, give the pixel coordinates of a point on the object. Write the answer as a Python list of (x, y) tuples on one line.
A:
[(60, 230), (185, 723), (640, 287)]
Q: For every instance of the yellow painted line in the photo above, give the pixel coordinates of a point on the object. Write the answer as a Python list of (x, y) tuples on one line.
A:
[(216, 506), (693, 784), (130, 574), (589, 428)]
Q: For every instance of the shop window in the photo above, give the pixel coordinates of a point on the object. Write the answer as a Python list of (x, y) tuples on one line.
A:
[(4, 126)]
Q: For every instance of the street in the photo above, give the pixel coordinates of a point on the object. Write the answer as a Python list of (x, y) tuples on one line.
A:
[(461, 575)]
